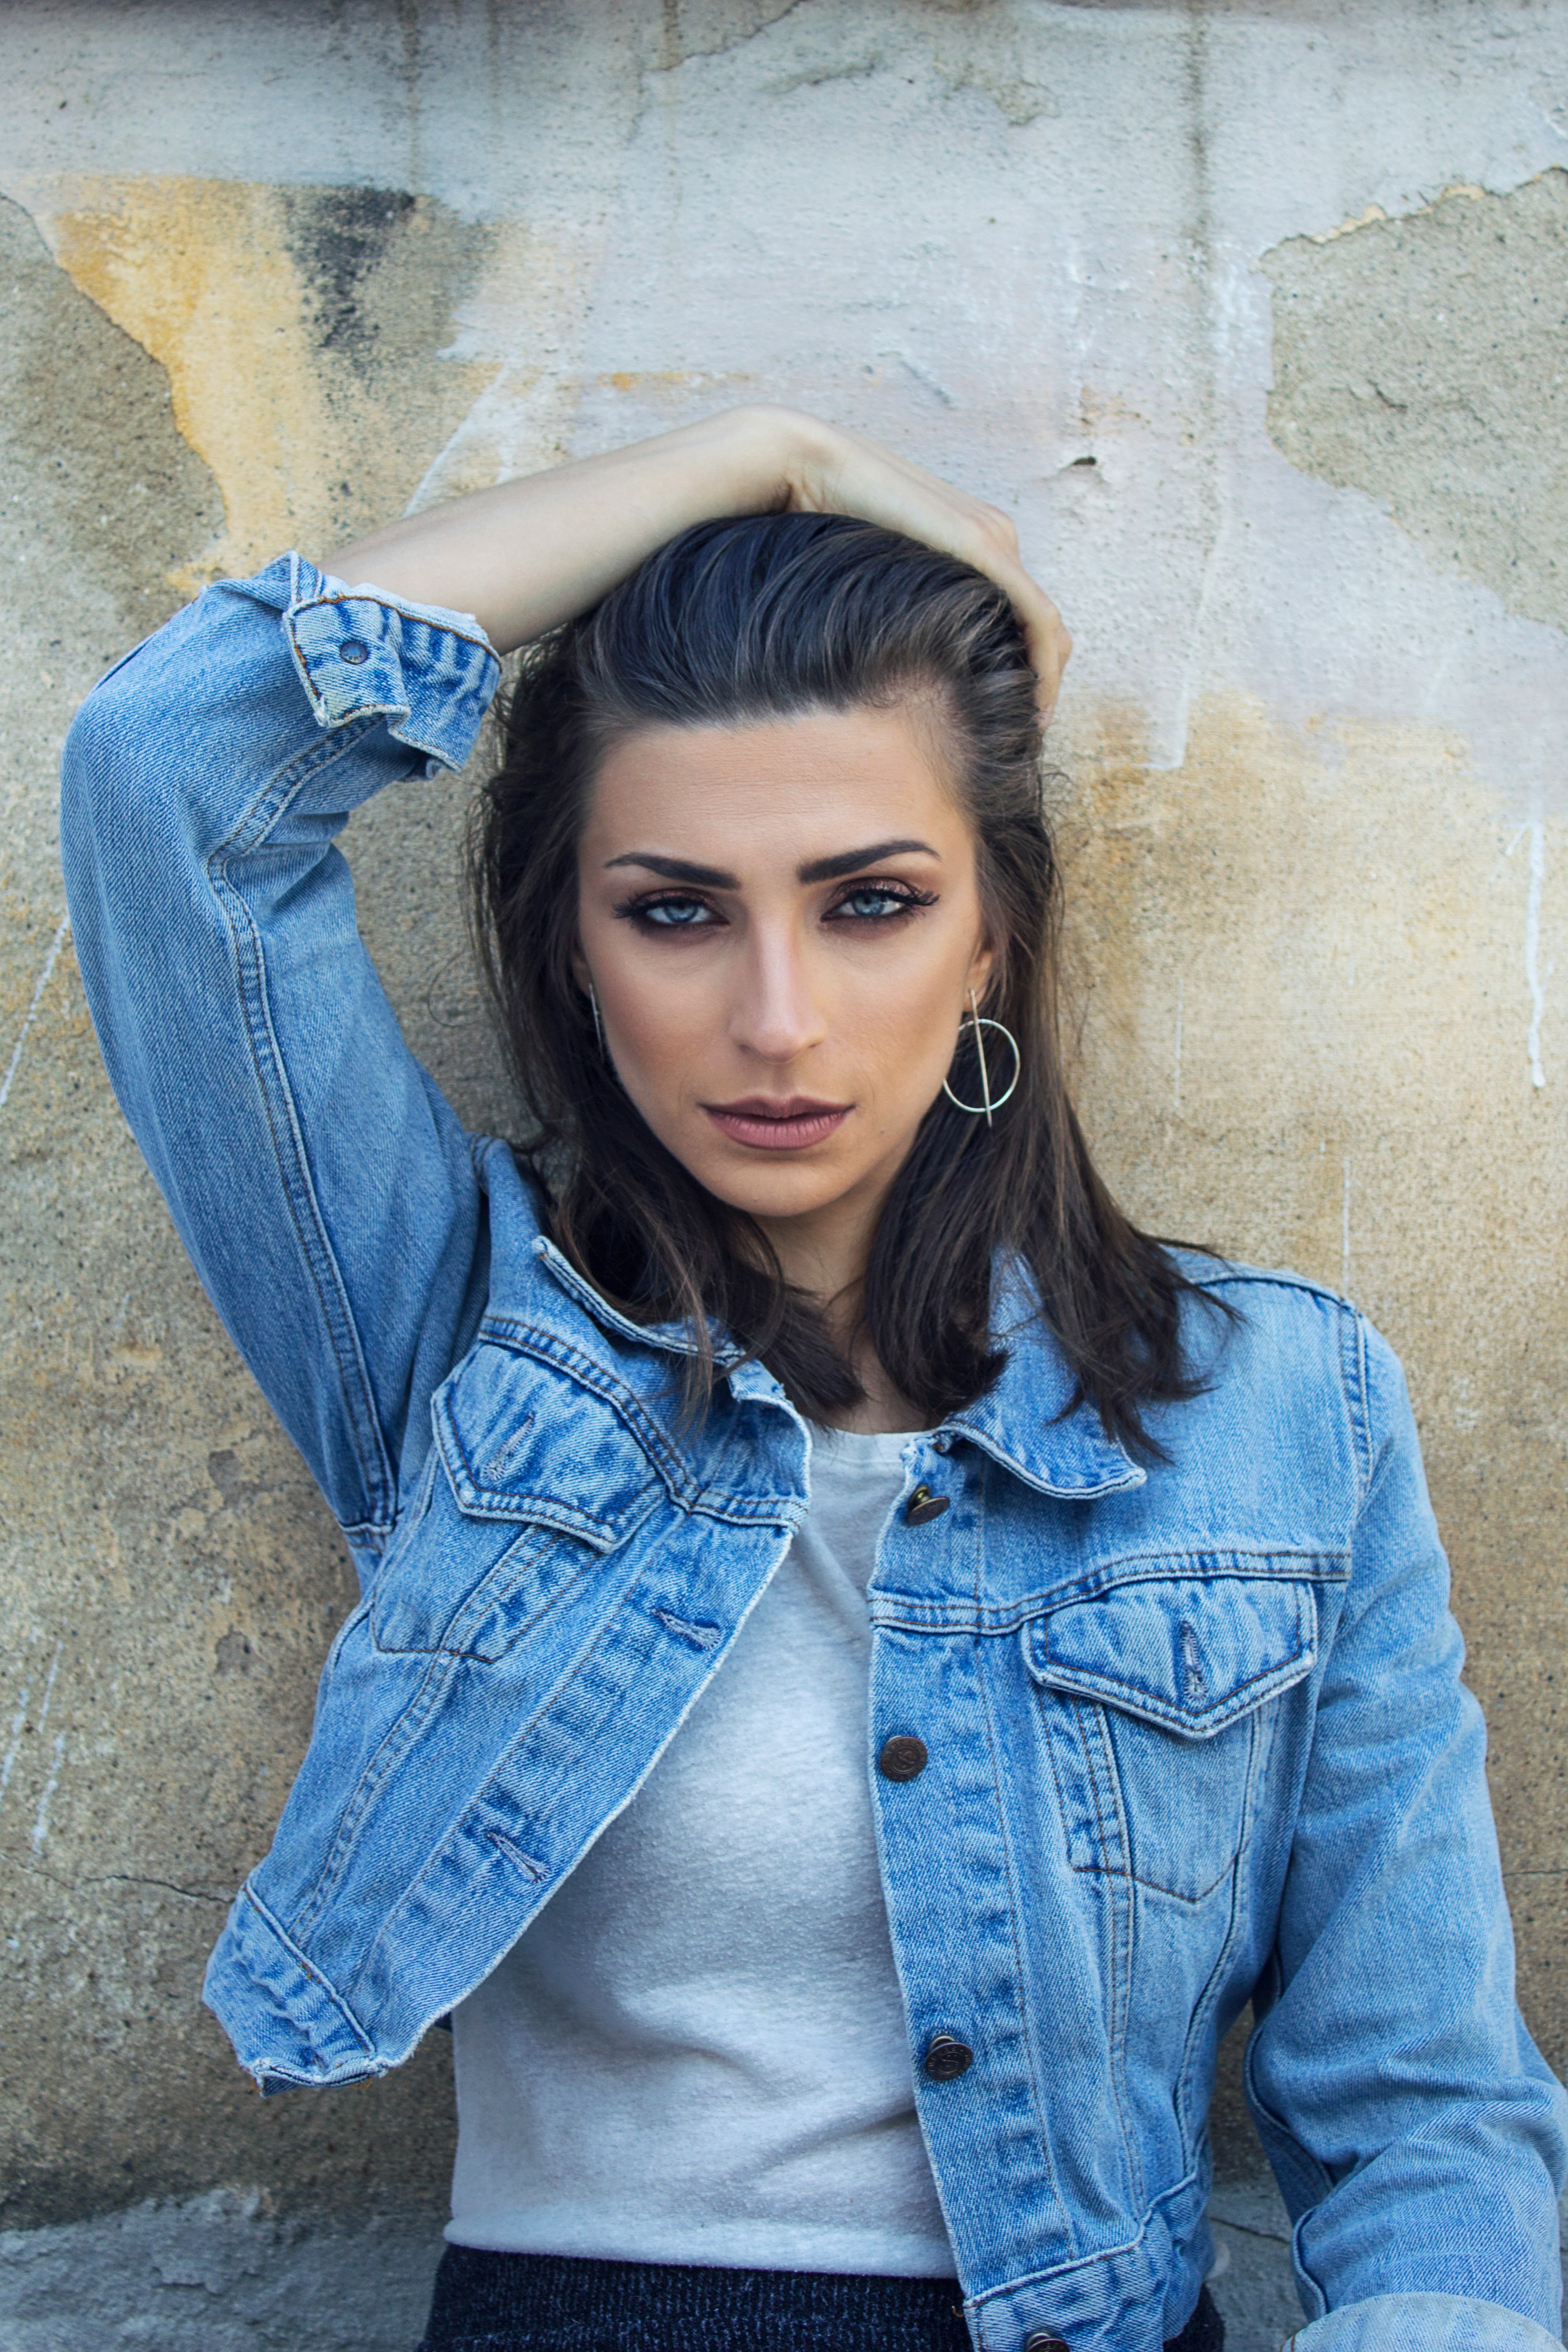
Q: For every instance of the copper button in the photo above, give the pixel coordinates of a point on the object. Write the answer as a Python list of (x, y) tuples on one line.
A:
[(903, 1757), (948, 2058)]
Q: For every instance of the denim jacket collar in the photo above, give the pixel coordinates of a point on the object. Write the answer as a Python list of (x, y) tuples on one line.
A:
[(674, 1337), (1032, 1423)]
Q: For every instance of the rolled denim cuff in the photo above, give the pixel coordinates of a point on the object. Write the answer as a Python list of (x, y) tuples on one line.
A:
[(1422, 2323), (429, 673)]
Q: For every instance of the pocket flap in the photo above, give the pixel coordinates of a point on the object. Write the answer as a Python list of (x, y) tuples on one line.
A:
[(1190, 1654), (520, 1442)]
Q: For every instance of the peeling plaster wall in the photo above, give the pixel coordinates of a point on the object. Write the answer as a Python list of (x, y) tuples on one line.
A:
[(1254, 315), (300, 331), (1423, 361)]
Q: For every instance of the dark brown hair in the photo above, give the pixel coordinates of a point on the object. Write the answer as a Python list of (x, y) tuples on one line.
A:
[(771, 617)]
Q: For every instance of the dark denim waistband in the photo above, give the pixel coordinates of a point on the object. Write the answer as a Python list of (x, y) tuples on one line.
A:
[(564, 2303)]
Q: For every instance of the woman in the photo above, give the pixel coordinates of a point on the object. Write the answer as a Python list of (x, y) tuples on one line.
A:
[(914, 1654)]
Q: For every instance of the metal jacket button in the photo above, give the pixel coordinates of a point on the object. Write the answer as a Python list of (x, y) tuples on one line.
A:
[(1040, 2343), (903, 1757), (354, 649), (923, 1505), (948, 2058)]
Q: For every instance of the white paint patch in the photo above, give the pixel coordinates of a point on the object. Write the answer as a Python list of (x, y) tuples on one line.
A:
[(8, 1761), (1176, 1069), (44, 979), (18, 1720), (41, 1820), (50, 1686), (1168, 746)]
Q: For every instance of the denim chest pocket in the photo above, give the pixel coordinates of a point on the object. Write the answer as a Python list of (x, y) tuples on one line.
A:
[(530, 1480), (1153, 1697)]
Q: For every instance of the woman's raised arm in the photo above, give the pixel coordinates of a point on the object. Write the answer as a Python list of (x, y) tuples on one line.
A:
[(330, 1200), (534, 552)]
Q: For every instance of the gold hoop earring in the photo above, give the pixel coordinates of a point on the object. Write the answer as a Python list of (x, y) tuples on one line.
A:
[(989, 1103)]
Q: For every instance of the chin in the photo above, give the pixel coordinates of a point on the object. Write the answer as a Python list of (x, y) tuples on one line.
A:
[(771, 1192)]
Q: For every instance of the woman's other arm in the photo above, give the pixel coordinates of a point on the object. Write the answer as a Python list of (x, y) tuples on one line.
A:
[(534, 552), (1417, 2133)]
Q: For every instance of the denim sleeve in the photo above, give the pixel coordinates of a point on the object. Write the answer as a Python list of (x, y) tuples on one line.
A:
[(1416, 2132), (323, 1187), (1422, 2323)]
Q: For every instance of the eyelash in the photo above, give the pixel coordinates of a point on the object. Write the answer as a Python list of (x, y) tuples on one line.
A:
[(904, 895)]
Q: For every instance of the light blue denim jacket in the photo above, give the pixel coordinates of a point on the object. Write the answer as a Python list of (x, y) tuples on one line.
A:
[(1197, 1731)]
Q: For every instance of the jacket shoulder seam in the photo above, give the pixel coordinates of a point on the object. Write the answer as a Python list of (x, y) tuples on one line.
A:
[(1276, 1277), (1355, 1378)]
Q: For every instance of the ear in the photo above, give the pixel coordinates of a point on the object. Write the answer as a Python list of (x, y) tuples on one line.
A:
[(982, 970)]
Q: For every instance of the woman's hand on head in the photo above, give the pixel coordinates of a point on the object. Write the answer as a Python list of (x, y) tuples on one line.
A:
[(837, 472), (530, 553)]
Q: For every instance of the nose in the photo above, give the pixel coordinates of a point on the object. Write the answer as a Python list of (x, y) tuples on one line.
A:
[(776, 1015)]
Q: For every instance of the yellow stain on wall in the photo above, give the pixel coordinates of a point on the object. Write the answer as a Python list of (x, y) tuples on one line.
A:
[(301, 332)]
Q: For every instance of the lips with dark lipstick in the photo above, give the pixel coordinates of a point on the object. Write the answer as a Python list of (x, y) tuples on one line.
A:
[(782, 1123)]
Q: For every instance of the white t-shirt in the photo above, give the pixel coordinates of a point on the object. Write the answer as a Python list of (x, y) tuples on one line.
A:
[(697, 2052)]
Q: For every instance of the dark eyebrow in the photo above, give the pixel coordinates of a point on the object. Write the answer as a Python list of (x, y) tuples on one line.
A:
[(677, 869), (821, 869), (850, 861)]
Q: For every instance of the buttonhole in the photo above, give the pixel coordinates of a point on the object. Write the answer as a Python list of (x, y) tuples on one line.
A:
[(1193, 1676), (525, 1862), (500, 1462), (702, 1637)]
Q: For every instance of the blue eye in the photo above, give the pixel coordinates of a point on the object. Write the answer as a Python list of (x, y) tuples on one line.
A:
[(672, 914), (874, 902)]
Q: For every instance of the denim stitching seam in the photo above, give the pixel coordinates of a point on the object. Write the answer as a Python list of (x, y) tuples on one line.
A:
[(308, 1969), (1042, 2136), (1352, 1356), (918, 1615), (399, 1738), (320, 1260), (1124, 1908), (487, 1794)]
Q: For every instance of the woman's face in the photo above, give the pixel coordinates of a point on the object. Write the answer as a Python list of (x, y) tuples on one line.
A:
[(783, 923)]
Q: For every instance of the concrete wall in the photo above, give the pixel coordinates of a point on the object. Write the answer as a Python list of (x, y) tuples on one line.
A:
[(1252, 312)]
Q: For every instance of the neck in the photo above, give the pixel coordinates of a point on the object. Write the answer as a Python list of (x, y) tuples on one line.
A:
[(882, 1407), (826, 1257)]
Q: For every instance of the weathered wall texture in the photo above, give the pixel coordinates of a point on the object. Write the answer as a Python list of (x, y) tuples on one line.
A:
[(1252, 310)]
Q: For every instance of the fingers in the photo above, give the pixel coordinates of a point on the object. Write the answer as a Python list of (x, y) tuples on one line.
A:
[(1045, 634), (1050, 649), (994, 550), (846, 474)]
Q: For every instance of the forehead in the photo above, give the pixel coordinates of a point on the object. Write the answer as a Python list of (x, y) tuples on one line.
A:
[(790, 787)]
